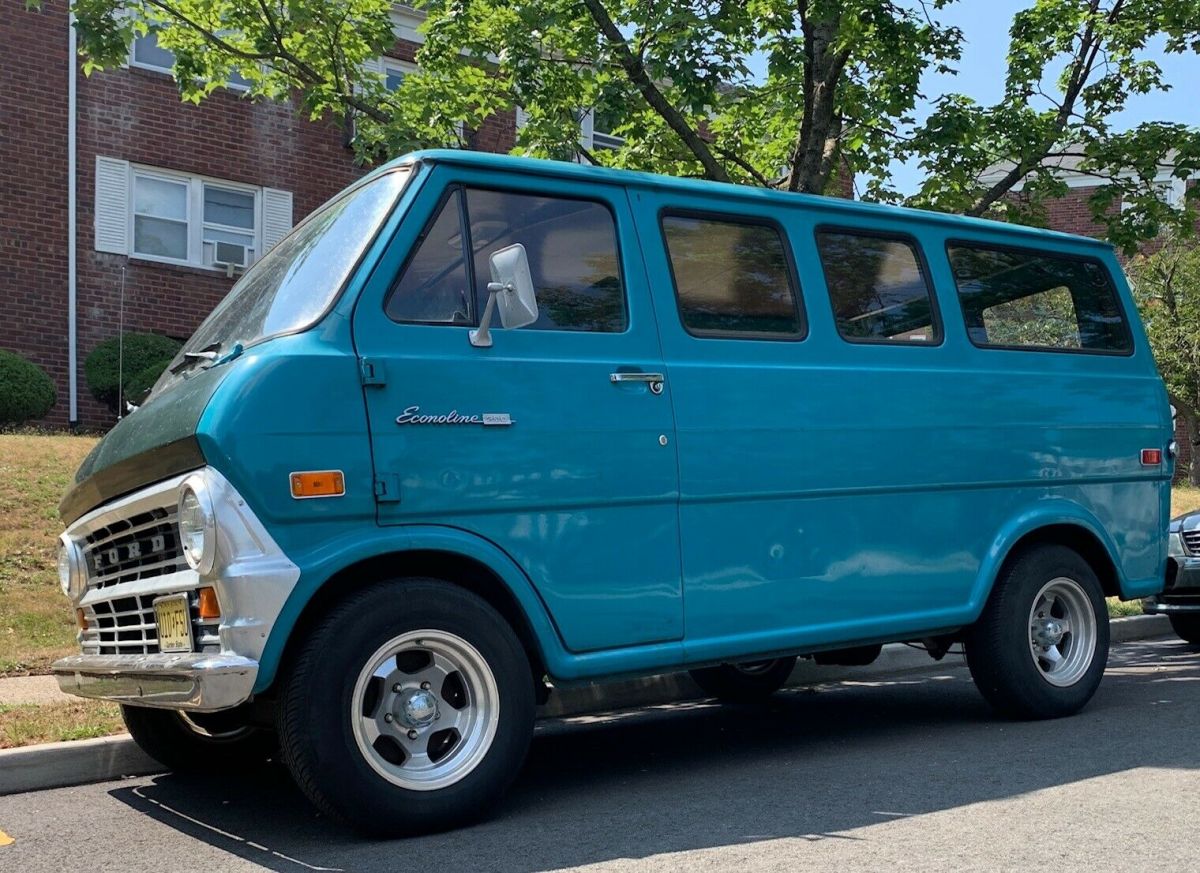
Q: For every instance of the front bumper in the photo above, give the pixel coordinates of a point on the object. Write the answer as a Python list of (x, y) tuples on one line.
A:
[(199, 682), (1181, 594)]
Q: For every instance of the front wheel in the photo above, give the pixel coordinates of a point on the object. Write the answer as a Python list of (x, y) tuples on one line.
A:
[(1040, 647), (747, 682), (409, 710), (1187, 627), (199, 742)]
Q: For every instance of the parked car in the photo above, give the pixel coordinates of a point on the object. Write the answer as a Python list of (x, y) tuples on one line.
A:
[(715, 428), (1180, 599)]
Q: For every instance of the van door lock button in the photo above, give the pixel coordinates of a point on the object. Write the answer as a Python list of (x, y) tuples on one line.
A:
[(662, 439)]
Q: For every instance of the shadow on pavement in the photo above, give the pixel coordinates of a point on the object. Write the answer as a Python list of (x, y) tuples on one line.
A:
[(812, 764)]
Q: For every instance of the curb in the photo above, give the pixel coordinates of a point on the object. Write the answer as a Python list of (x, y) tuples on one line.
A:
[(58, 765)]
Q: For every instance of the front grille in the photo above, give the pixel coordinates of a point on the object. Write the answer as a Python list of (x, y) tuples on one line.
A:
[(140, 547), (1191, 541), (126, 626)]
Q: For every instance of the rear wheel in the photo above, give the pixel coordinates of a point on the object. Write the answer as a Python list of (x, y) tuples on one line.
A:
[(1187, 627), (745, 682), (199, 742), (409, 710), (1040, 647)]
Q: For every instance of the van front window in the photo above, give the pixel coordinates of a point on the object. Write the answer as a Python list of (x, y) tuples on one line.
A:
[(296, 282)]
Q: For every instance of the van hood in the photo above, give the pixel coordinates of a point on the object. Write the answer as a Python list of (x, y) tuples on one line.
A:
[(153, 443)]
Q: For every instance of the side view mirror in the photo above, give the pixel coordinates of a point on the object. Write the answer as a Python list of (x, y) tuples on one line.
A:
[(511, 291)]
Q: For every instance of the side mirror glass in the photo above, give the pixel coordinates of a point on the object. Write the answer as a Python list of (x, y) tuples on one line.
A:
[(511, 291)]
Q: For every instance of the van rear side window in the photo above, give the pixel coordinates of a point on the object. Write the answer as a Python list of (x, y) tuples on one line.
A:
[(733, 278), (878, 288), (1021, 299)]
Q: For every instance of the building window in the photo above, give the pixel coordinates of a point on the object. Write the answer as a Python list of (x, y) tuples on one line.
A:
[(163, 215), (147, 54), (733, 277), (1170, 191), (394, 72)]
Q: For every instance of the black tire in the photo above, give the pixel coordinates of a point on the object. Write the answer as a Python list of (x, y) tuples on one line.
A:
[(1000, 650), (199, 743), (1187, 627), (744, 683), (317, 726)]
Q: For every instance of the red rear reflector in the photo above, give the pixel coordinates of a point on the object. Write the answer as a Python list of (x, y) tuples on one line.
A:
[(1151, 457)]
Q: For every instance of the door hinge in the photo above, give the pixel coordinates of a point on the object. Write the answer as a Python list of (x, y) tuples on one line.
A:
[(371, 372), (387, 488)]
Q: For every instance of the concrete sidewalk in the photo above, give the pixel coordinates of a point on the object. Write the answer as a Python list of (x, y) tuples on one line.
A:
[(55, 765)]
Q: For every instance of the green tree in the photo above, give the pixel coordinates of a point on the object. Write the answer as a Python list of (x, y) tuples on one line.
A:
[(839, 94), (1166, 286)]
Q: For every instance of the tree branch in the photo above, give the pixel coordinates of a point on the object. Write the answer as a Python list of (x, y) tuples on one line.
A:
[(636, 71)]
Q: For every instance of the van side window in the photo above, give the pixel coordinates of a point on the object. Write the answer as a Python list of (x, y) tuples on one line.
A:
[(573, 260), (878, 288), (1013, 298), (433, 287), (572, 249), (732, 278)]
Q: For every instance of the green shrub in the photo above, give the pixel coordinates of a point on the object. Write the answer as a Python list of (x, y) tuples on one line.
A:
[(141, 352), (139, 385), (26, 392)]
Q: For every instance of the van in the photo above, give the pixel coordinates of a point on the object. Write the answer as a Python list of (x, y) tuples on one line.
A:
[(481, 426)]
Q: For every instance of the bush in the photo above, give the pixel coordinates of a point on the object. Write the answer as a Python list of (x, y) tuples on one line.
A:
[(142, 351), (139, 385), (26, 392)]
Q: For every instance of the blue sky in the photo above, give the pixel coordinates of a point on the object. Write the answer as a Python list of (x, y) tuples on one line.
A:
[(985, 25)]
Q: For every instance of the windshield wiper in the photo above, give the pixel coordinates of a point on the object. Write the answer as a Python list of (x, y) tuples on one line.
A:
[(208, 353)]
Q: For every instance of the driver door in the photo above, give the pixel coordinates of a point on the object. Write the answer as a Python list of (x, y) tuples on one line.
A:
[(530, 443)]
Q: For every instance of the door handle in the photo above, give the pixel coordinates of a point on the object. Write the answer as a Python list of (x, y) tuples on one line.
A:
[(655, 380)]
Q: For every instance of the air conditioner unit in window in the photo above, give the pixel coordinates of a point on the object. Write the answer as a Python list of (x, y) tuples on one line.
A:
[(231, 256)]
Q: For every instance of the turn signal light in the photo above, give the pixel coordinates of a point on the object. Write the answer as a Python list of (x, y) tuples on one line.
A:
[(1151, 457), (81, 619), (318, 483), (209, 607)]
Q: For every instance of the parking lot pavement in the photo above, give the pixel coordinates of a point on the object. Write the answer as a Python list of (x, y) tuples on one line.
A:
[(909, 772)]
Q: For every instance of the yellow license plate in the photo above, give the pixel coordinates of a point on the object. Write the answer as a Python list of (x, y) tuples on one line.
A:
[(174, 623)]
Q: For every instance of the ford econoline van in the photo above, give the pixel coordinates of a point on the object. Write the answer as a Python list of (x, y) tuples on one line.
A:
[(480, 426)]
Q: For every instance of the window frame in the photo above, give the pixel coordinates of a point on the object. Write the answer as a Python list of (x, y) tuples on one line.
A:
[(194, 221), (737, 218), (464, 218), (952, 242), (922, 265), (132, 61)]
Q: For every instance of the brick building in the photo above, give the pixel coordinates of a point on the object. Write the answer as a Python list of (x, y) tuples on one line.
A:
[(158, 184)]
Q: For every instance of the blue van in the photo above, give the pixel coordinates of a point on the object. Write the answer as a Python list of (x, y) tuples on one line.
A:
[(481, 426)]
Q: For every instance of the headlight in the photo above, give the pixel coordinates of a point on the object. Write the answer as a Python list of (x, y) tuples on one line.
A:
[(197, 525), (1175, 546), (72, 571)]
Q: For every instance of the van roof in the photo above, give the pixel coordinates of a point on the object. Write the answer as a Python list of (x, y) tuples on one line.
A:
[(835, 205)]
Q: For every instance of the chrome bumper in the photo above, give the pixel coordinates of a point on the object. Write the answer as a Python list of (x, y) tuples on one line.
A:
[(1155, 606), (199, 682)]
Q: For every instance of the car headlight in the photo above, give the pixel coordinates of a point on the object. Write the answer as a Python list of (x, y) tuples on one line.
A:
[(72, 570), (197, 525), (1175, 546)]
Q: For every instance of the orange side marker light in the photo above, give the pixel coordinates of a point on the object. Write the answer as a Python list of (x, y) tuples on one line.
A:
[(318, 483), (81, 619)]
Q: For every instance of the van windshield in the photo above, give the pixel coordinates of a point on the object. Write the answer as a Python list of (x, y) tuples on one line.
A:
[(295, 282)]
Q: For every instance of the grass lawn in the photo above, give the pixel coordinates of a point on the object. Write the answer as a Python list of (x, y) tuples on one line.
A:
[(26, 724), (36, 623)]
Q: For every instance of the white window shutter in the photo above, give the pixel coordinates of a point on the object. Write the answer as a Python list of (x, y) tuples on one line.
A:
[(112, 205), (586, 123), (522, 117), (277, 216)]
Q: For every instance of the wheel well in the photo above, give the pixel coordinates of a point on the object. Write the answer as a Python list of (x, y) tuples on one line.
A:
[(1079, 539), (467, 573)]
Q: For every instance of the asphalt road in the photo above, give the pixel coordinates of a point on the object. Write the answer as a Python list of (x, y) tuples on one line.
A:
[(911, 773)]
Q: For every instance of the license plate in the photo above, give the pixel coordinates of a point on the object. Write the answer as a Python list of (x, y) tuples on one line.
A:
[(174, 623)]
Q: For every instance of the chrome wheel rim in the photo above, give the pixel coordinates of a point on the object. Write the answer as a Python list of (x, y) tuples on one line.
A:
[(425, 709), (1062, 632)]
